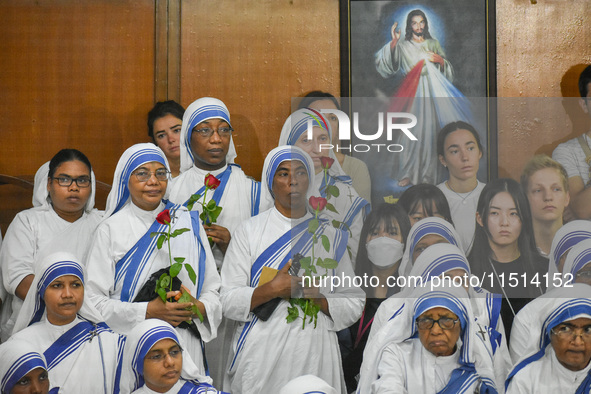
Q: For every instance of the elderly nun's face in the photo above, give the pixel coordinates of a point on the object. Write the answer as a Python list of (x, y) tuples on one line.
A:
[(210, 141), (571, 341), (34, 382), (290, 184), (162, 365), (63, 299), (147, 185), (442, 337)]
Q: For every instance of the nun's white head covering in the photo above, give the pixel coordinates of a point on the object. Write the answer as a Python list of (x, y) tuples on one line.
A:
[(555, 307), (199, 111), (426, 226), (578, 257), (436, 260), (131, 159), (41, 195), (307, 384), (297, 124), (565, 238), (139, 342), (53, 266), (18, 359), (474, 353), (273, 160)]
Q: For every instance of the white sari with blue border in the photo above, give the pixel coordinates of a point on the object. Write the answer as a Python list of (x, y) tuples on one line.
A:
[(267, 354)]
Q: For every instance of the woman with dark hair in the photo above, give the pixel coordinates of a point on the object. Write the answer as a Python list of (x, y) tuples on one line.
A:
[(164, 127), (424, 200), (63, 219), (355, 168), (380, 251), (504, 253), (459, 150)]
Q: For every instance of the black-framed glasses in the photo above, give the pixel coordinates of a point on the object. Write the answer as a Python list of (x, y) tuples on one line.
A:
[(207, 132), (144, 175), (426, 323), (568, 332), (160, 356), (66, 181)]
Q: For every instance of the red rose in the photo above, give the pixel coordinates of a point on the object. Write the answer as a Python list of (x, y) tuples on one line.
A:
[(317, 203), (163, 217), (212, 182), (326, 162)]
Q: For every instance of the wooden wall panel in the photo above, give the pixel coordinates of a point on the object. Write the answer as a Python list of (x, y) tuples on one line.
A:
[(74, 74), (255, 56), (540, 50)]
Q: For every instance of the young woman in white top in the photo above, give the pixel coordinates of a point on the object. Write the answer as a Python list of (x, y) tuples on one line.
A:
[(460, 151)]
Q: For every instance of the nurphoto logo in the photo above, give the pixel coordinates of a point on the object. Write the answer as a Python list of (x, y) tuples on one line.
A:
[(395, 122)]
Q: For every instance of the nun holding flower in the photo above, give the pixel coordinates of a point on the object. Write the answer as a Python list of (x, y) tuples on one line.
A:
[(331, 182), (127, 262)]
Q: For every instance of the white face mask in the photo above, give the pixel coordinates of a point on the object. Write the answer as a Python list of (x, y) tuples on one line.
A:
[(384, 252)]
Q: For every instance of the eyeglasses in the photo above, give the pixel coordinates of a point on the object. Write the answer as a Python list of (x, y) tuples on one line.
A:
[(207, 132), (159, 356), (568, 332), (446, 323), (66, 181), (144, 175)]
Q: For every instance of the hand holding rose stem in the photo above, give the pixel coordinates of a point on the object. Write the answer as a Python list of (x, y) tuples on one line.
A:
[(164, 283)]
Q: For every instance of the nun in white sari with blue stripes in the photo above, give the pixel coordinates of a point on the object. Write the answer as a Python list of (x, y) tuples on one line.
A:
[(350, 208), (446, 262), (238, 194), (406, 365), (24, 367), (559, 361), (429, 226), (178, 373), (266, 354), (58, 320), (124, 257)]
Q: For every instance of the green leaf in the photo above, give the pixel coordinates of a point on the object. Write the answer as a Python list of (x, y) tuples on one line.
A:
[(165, 282), (215, 213), (155, 233), (160, 241), (191, 271), (292, 313), (179, 259), (162, 293), (333, 190), (331, 207), (192, 200), (196, 311), (211, 204), (179, 232), (325, 242), (203, 216), (305, 262), (313, 269), (175, 269), (330, 263), (336, 223), (313, 225), (185, 297)]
